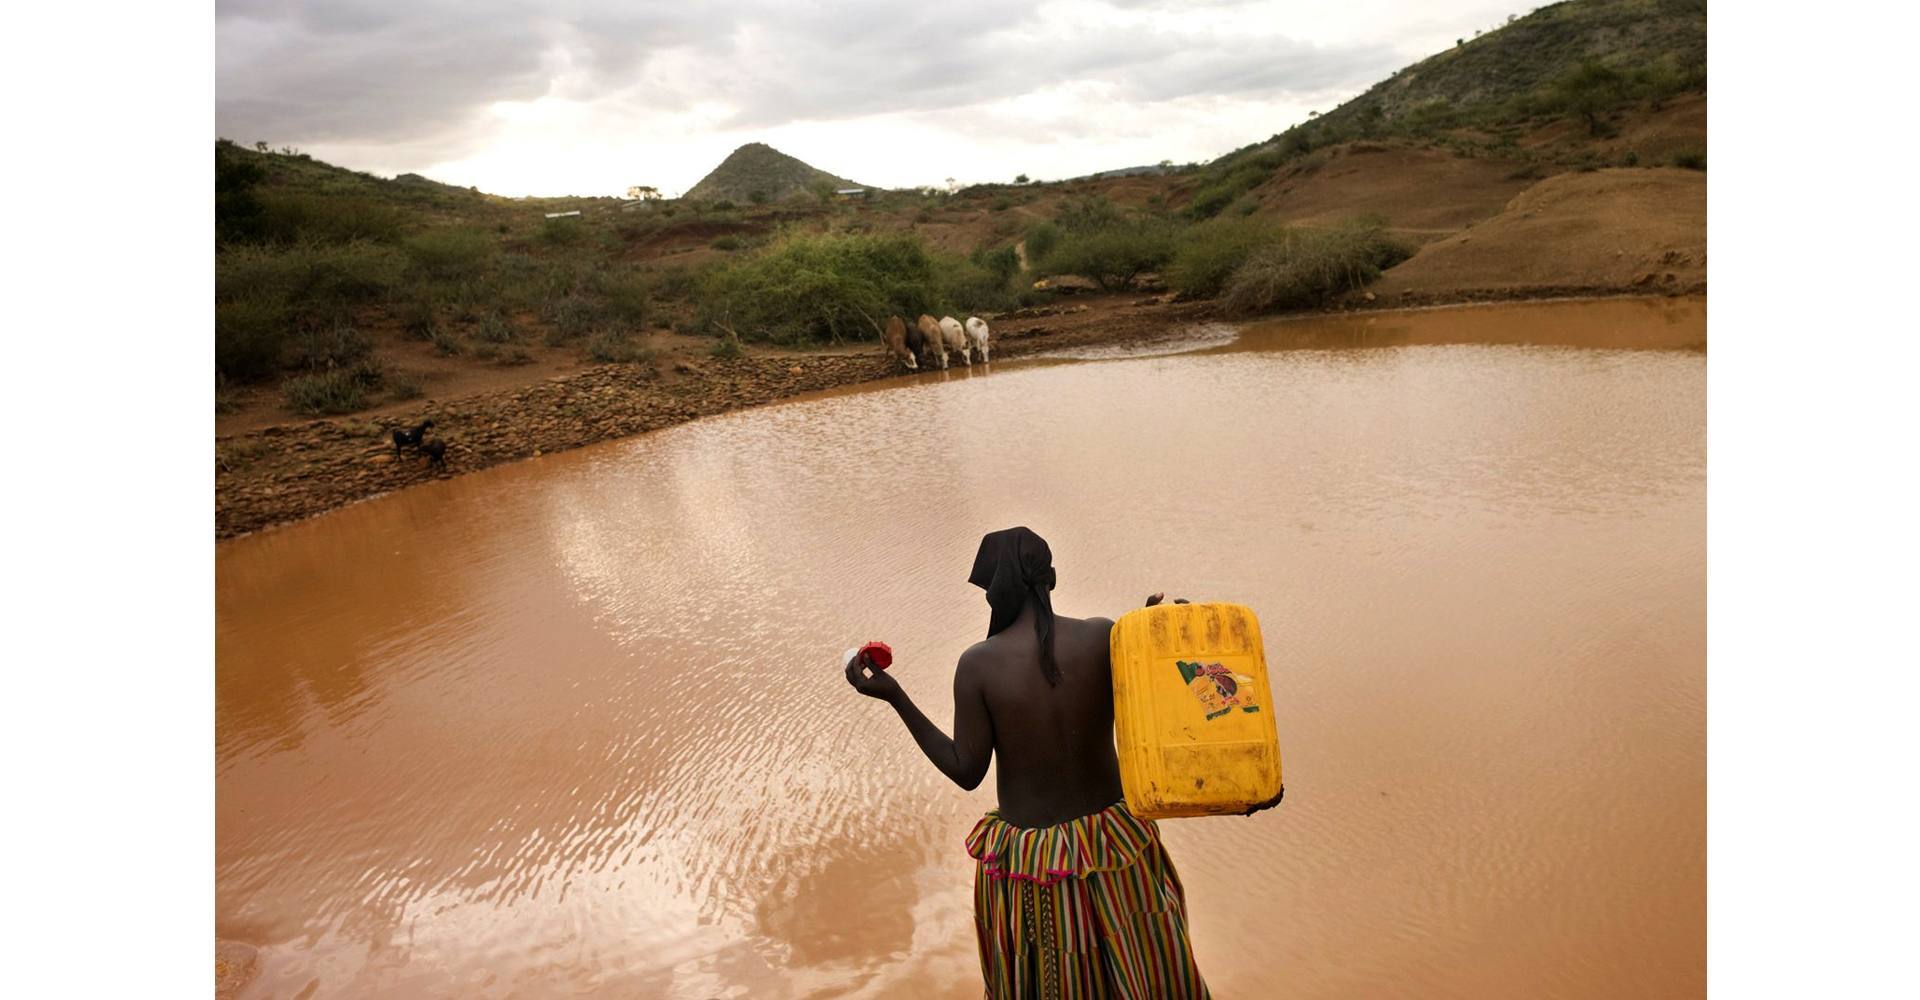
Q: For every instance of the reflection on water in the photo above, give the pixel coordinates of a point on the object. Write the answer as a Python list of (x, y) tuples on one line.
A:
[(573, 726)]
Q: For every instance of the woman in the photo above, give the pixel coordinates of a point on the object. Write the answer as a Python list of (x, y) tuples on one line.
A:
[(1074, 896)]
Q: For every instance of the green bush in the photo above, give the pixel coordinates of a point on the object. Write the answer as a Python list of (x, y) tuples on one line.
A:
[(1690, 160), (820, 287), (1229, 180), (1001, 262), (315, 281), (248, 337), (628, 295), (342, 390), (1087, 213), (1116, 254), (562, 232), (728, 242), (401, 386), (575, 315), (238, 215), (1311, 266), (493, 329), (418, 318), (448, 343), (291, 217), (967, 287), (1041, 238), (616, 346), (449, 251), (338, 345), (1207, 254)]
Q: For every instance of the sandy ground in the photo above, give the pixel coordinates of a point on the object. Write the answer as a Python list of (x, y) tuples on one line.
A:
[(1579, 233)]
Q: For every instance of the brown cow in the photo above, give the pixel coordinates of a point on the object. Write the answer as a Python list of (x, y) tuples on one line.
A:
[(896, 341), (936, 339)]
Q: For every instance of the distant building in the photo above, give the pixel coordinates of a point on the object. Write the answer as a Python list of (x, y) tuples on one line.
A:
[(846, 193)]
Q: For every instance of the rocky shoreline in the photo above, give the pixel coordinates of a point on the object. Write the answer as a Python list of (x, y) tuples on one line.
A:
[(287, 472)]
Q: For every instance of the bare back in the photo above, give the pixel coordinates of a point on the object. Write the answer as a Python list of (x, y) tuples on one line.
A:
[(1054, 743)]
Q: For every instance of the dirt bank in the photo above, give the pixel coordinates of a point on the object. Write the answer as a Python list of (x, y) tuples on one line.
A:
[(1597, 232), (285, 472)]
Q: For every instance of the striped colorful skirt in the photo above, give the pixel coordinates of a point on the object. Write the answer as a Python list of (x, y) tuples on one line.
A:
[(1089, 908)]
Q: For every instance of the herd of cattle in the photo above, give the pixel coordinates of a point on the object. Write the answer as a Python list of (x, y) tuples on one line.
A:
[(931, 338)]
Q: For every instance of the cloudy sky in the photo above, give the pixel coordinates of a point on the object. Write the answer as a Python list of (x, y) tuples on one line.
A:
[(590, 96)]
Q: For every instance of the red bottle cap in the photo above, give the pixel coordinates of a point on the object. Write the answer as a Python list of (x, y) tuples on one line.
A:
[(879, 654)]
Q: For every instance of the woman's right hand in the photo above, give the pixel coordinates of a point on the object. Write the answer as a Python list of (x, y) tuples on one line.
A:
[(871, 681)]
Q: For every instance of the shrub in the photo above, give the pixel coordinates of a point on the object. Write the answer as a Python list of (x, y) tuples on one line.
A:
[(315, 282), (237, 212), (967, 287), (1002, 204), (1115, 255), (1042, 237), (1310, 266), (616, 346), (418, 318), (449, 251), (728, 242), (820, 287), (493, 329), (1587, 90), (562, 232), (447, 342), (727, 348), (628, 295), (1086, 213), (330, 218), (1001, 262), (401, 386), (337, 345), (575, 315), (1208, 254), (1690, 160), (757, 196), (342, 390), (248, 337)]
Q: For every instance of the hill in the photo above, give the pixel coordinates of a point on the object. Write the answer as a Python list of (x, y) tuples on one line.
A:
[(757, 173)]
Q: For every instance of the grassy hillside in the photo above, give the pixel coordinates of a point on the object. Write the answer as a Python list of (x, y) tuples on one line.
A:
[(338, 291), (757, 173)]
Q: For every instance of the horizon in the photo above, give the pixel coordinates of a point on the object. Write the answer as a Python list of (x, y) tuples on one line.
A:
[(520, 102)]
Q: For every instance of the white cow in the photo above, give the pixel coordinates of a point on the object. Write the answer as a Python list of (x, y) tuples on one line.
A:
[(977, 335), (956, 338)]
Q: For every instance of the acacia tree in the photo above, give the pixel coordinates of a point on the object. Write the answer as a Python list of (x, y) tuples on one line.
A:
[(1589, 90)]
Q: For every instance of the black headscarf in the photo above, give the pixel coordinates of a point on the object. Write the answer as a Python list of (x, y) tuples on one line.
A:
[(1015, 566)]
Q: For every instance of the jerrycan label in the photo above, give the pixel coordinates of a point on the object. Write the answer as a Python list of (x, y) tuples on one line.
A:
[(1218, 689)]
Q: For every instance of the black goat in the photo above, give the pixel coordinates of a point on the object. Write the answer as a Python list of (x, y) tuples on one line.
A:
[(410, 437), (436, 452)]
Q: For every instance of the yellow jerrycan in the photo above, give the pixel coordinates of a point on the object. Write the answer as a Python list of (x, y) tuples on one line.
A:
[(1192, 713)]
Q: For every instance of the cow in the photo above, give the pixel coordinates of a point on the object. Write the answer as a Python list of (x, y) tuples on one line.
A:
[(977, 335), (936, 339), (916, 340), (955, 338), (895, 337)]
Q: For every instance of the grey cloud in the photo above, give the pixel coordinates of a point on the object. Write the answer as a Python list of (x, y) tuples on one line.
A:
[(364, 72)]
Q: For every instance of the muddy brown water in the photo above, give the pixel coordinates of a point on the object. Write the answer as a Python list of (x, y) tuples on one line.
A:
[(573, 726)]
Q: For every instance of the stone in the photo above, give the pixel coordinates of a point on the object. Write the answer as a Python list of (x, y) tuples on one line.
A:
[(795, 370)]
